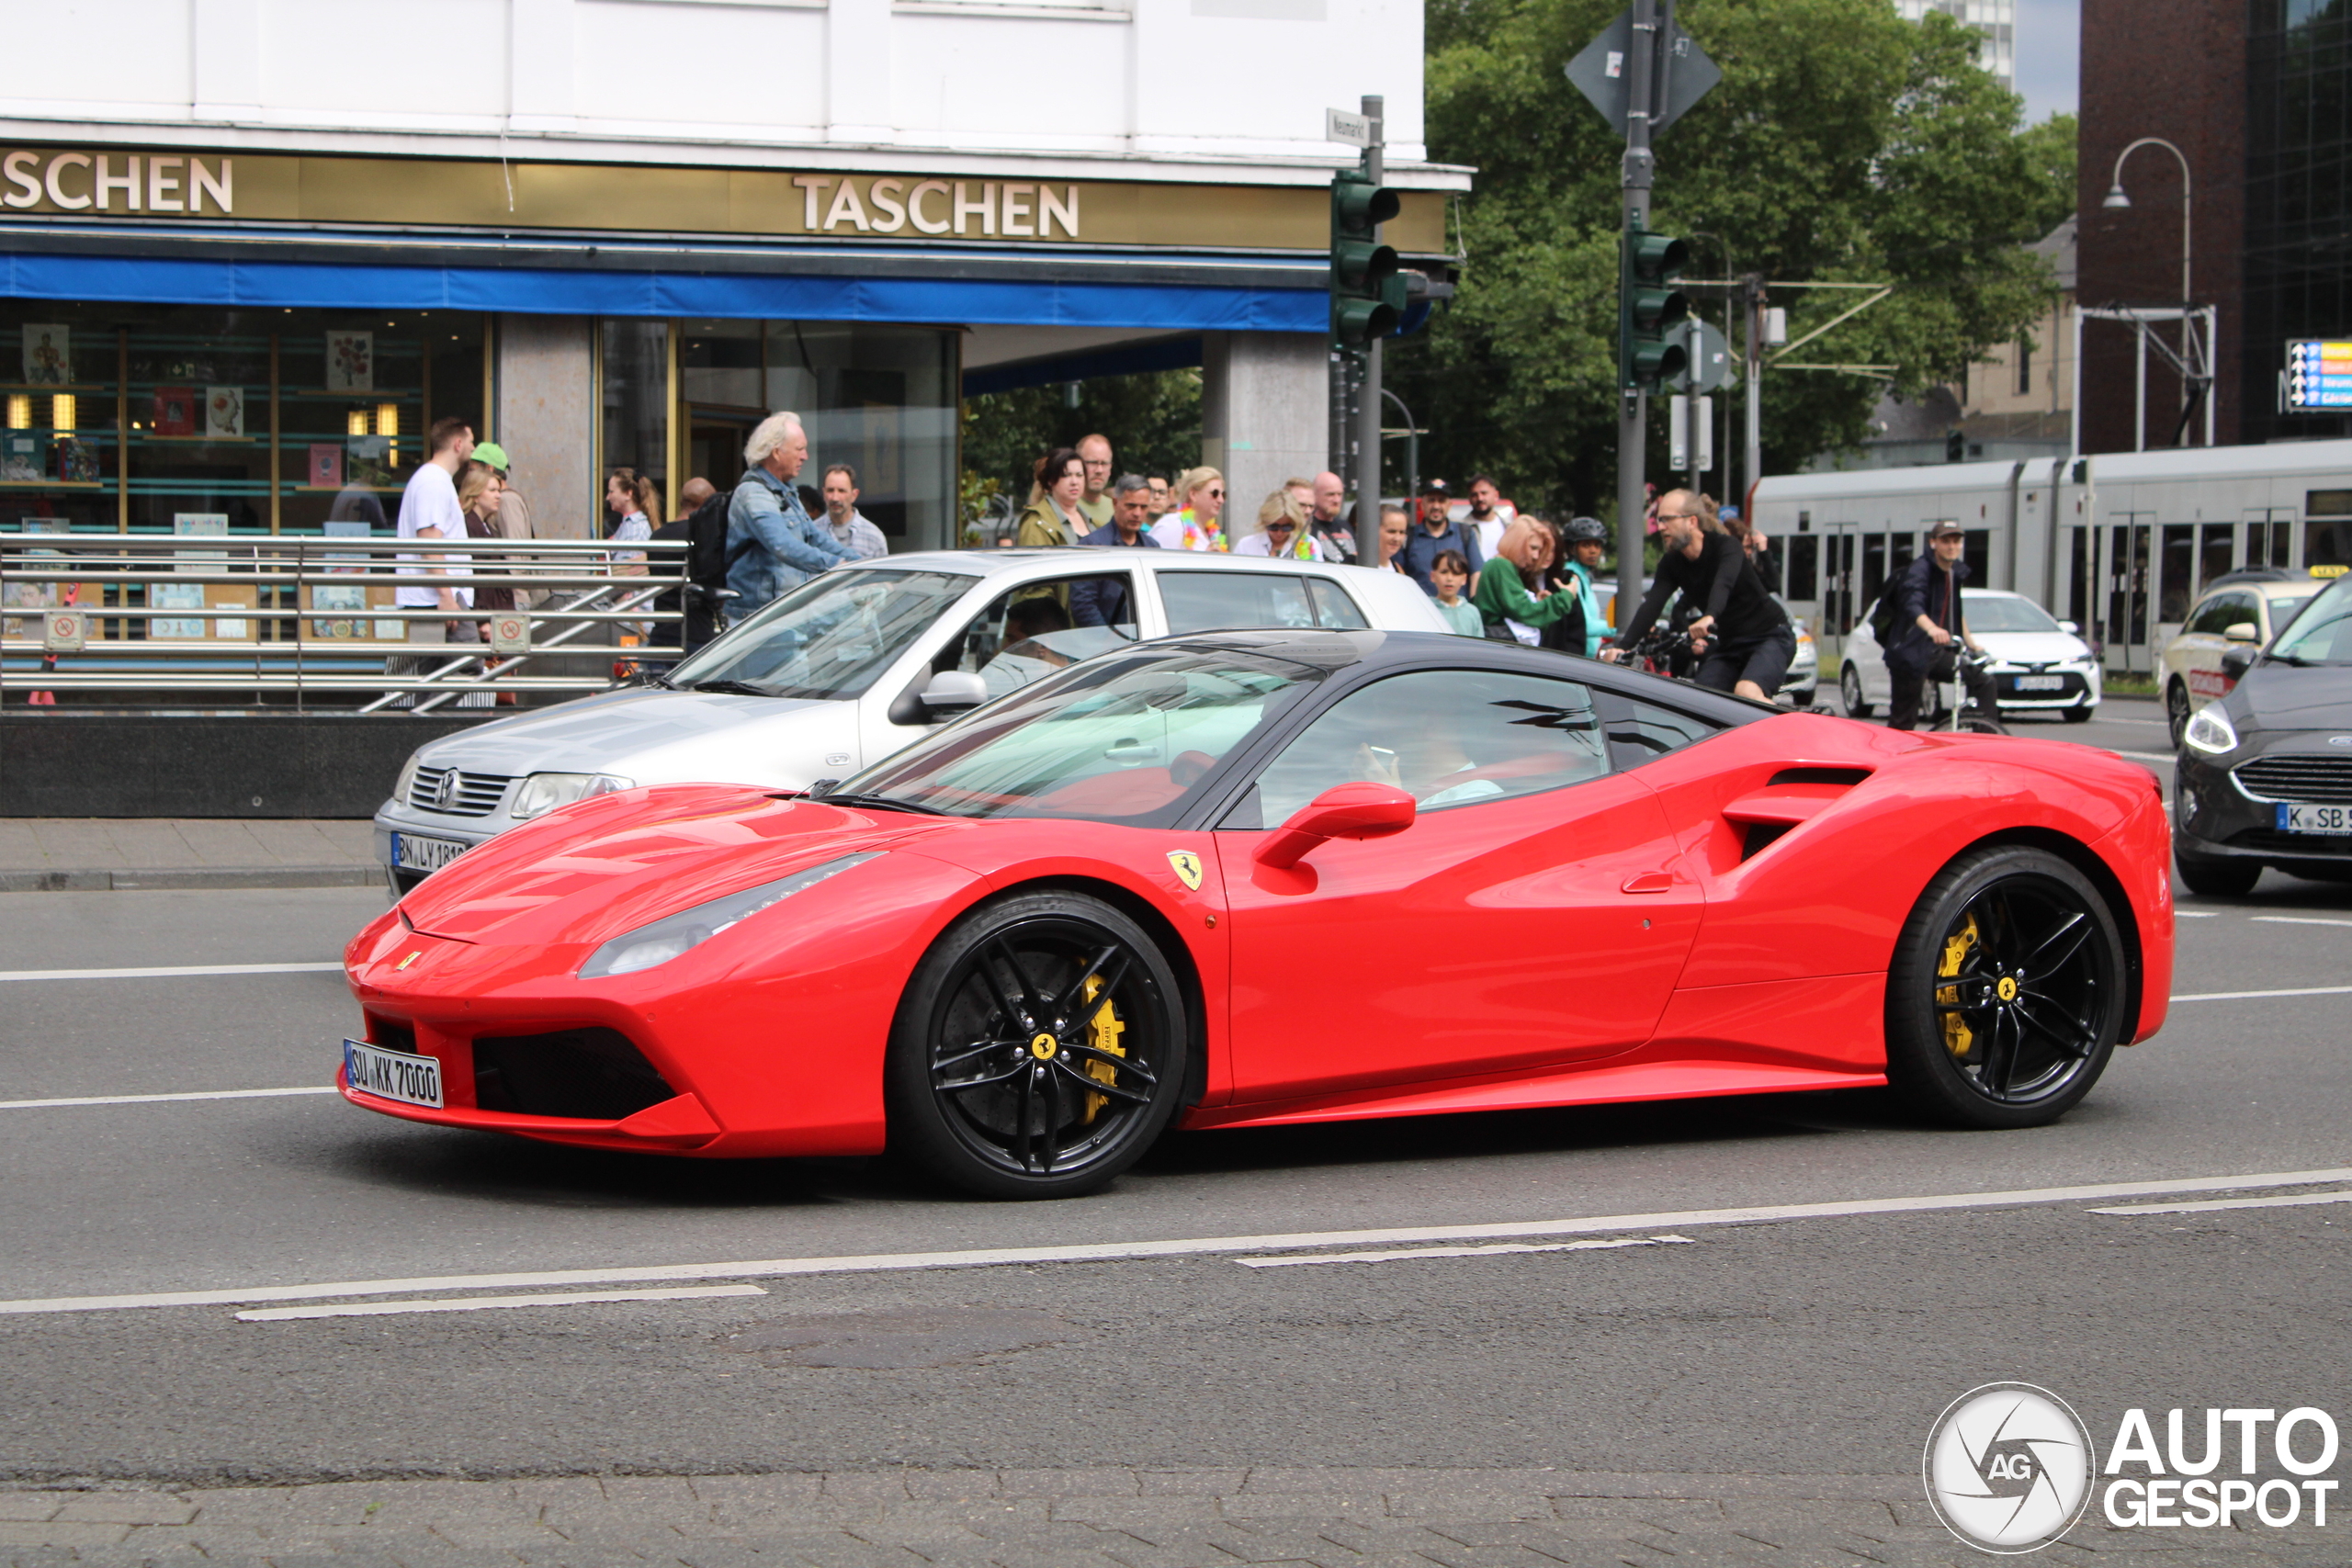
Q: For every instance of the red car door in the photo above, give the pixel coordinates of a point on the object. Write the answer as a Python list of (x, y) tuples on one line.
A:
[(1533, 915)]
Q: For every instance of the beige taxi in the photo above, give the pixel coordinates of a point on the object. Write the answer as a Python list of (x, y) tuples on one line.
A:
[(2243, 609)]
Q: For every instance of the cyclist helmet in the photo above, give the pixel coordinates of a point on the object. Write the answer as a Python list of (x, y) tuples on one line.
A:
[(1587, 530)]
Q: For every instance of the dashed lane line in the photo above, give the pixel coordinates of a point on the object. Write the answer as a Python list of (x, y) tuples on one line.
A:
[(161, 1098), (479, 1303), (1189, 1247), (2252, 996), (1509, 1248), (2292, 1201), (2299, 920), (173, 971)]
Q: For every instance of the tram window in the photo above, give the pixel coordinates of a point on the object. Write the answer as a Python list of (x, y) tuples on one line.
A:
[(1976, 549), (2178, 564), (2213, 552), (1804, 562), (2327, 541)]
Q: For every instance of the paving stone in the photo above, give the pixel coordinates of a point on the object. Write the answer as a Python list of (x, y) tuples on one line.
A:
[(1307, 1505), (889, 1483), (1120, 1511), (1468, 1505), (127, 1508), (1190, 1483), (1104, 1482), (21, 1507), (29, 1532), (779, 1487)]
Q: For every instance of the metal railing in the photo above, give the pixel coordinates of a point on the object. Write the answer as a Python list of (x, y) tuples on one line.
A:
[(314, 618)]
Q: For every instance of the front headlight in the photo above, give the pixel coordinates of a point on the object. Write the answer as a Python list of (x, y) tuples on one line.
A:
[(542, 792), (672, 935), (407, 780), (2210, 731)]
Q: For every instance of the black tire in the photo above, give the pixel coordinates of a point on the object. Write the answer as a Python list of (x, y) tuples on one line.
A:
[(1983, 726), (1005, 1078), (2079, 715), (1850, 690), (2006, 995), (2216, 876), (2176, 711)]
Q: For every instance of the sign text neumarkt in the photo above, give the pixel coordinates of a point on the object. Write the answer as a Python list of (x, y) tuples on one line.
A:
[(147, 184)]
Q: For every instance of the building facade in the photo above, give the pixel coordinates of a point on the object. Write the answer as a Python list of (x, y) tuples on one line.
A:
[(246, 265), (1997, 19)]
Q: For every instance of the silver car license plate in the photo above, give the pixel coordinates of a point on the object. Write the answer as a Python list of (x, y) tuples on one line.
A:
[(2041, 683), (393, 1074), (411, 852), (2336, 820)]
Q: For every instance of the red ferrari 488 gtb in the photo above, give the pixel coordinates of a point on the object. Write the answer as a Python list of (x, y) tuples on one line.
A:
[(1262, 877)]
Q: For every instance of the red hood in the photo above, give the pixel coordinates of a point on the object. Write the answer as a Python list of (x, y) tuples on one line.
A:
[(592, 871)]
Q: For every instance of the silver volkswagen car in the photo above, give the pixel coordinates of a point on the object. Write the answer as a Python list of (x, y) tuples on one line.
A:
[(847, 668)]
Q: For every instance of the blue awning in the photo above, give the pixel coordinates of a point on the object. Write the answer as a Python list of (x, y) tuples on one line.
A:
[(201, 280)]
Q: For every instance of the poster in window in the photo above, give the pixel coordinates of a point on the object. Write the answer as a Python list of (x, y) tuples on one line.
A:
[(174, 411), (49, 354), (351, 362), (33, 595), (224, 411), (200, 526), (327, 465), (20, 458), (174, 596)]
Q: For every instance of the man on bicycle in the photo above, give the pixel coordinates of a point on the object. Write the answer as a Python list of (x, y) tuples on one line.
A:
[(1742, 635), (1928, 609)]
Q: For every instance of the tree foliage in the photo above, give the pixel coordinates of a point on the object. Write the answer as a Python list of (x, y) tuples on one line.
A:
[(1843, 145)]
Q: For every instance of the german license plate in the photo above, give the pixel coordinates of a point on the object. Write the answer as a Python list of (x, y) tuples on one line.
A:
[(2314, 818), (411, 852), (393, 1074), (2041, 683)]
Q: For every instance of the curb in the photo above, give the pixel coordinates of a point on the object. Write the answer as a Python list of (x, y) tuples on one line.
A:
[(194, 876)]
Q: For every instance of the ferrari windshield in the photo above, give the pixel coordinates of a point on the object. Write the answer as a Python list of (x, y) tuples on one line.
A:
[(2322, 633), (1986, 613), (828, 639), (1122, 739)]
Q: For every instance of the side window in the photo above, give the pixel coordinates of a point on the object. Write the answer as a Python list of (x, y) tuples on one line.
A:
[(1448, 736), (1641, 732), (1334, 609), (1216, 601), (1027, 633), (2243, 607), (2215, 613)]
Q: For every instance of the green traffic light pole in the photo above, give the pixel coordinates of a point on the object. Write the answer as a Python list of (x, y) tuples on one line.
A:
[(1633, 423)]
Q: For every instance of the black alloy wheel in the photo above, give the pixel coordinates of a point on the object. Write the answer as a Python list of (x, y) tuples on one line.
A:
[(2007, 994), (1039, 1049), (1850, 688), (2176, 711)]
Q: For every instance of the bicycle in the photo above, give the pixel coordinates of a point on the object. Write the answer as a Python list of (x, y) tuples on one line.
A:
[(1952, 713), (1661, 652)]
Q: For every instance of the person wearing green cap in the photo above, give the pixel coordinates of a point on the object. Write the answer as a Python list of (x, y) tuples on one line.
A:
[(511, 520)]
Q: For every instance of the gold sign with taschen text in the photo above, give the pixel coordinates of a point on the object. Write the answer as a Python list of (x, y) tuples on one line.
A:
[(906, 208)]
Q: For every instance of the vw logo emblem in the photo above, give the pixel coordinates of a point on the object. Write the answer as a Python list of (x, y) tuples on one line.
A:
[(446, 790)]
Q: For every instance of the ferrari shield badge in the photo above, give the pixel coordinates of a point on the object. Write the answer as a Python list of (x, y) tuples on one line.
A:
[(1188, 868)]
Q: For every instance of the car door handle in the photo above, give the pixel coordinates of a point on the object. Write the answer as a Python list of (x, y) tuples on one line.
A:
[(1649, 882)]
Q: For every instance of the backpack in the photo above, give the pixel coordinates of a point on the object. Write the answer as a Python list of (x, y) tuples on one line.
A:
[(1887, 614)]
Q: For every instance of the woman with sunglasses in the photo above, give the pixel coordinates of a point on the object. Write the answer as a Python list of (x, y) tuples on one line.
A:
[(1195, 526), (1282, 532)]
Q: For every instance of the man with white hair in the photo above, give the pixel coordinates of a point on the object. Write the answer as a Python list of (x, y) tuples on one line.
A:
[(772, 545)]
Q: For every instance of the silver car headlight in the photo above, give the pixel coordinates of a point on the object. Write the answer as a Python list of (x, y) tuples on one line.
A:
[(542, 792), (2210, 731), (672, 935), (407, 780)]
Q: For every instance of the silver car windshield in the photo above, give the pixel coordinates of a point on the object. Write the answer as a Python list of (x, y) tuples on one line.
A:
[(2321, 634), (828, 639)]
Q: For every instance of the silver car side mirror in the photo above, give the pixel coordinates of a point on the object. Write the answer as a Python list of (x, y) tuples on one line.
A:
[(952, 692)]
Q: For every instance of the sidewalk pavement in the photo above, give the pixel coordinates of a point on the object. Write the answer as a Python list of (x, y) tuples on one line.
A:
[(95, 854), (1108, 1518)]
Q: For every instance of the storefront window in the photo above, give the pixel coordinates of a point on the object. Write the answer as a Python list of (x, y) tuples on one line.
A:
[(636, 370)]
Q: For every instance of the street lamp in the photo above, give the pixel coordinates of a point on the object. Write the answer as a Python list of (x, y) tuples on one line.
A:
[(2117, 201)]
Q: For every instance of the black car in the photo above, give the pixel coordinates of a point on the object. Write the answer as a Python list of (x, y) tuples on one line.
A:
[(2266, 772)]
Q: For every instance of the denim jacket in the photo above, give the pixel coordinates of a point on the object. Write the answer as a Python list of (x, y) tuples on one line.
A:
[(772, 545)]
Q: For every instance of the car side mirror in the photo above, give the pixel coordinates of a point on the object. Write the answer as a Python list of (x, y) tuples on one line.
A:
[(952, 692), (2070, 628), (2236, 661), (1344, 811), (2242, 631)]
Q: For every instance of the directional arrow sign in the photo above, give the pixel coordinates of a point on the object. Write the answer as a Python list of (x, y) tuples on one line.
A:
[(1599, 75)]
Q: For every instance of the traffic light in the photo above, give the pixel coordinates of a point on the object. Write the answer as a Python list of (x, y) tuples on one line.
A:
[(1648, 303), (1368, 296)]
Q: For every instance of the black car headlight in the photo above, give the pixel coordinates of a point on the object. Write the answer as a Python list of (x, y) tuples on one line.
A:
[(672, 935), (2210, 732)]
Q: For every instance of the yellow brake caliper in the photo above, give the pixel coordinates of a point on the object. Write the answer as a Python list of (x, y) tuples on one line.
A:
[(1956, 1035), (1105, 1030)]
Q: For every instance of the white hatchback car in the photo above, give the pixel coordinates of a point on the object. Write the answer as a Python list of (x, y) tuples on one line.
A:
[(850, 666), (2040, 664)]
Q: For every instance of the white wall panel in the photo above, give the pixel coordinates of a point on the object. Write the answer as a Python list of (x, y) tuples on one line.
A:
[(746, 66), (980, 77), (126, 52), (371, 61)]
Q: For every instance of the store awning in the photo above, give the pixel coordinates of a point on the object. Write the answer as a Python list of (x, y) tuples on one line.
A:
[(1152, 291)]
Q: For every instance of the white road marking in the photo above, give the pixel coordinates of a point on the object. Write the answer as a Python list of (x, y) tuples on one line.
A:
[(1124, 1251), (173, 972), (2293, 1201), (2250, 996), (1393, 1254), (2196, 914), (2149, 756), (478, 1304), (2299, 920), (158, 1099)]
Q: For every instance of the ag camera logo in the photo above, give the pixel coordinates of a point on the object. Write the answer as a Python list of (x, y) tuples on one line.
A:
[(2008, 1467)]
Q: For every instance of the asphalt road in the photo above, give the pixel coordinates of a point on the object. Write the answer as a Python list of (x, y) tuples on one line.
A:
[(1758, 1354)]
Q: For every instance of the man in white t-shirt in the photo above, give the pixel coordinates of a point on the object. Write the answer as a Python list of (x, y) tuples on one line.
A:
[(429, 510), (1489, 514)]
